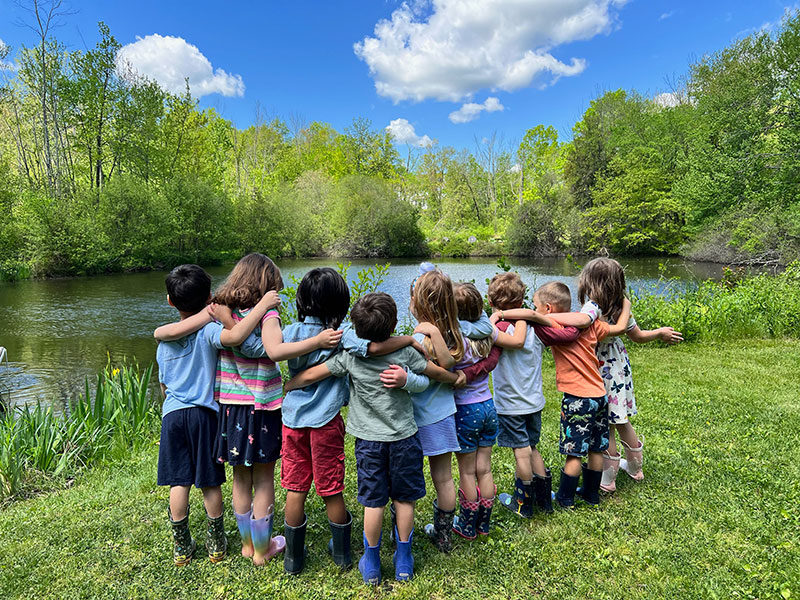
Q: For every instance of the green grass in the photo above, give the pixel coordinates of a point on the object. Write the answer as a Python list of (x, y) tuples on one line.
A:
[(716, 517)]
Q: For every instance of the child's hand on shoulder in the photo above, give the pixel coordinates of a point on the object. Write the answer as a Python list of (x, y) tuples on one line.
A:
[(669, 336), (420, 348), (221, 313), (495, 317), (394, 377), (425, 328), (270, 300), (329, 338)]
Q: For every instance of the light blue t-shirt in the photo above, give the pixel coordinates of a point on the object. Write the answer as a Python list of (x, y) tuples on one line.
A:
[(188, 367), (315, 405)]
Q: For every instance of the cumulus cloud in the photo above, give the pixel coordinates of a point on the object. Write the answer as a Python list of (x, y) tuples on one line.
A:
[(472, 110), (170, 60), (403, 133), (451, 49)]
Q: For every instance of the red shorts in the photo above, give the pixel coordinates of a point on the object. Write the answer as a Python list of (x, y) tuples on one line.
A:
[(317, 455)]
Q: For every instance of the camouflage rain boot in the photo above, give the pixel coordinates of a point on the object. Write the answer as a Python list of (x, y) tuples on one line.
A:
[(184, 544), (216, 540)]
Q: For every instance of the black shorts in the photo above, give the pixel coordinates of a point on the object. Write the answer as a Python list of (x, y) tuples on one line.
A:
[(389, 470), (186, 451), (584, 425)]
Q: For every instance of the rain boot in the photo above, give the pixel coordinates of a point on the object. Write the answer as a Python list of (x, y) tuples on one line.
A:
[(295, 554), (543, 492), (632, 463), (589, 492), (402, 558), (216, 541), (264, 545), (439, 530), (370, 564), (339, 544), (565, 496), (243, 523), (484, 517), (183, 543), (608, 483), (521, 502), (464, 524)]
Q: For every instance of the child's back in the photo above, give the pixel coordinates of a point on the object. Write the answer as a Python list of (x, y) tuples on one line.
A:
[(517, 378)]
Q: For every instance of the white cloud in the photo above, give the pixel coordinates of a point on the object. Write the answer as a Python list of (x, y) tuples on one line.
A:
[(5, 66), (666, 15), (403, 133), (451, 49), (471, 110), (170, 60)]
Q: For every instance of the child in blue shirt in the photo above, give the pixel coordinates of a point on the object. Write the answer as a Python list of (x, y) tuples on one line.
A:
[(187, 370)]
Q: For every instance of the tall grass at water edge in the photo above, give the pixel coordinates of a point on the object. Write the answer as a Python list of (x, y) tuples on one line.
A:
[(40, 447), (737, 306)]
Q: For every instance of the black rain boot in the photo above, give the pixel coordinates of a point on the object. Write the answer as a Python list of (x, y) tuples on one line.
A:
[(339, 544), (565, 496), (521, 502), (440, 530), (182, 538), (590, 491), (543, 492), (295, 554)]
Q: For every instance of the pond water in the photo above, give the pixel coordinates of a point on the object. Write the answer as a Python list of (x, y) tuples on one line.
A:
[(58, 331)]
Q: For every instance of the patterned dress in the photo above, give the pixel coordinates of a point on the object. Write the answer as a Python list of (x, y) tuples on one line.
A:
[(615, 369)]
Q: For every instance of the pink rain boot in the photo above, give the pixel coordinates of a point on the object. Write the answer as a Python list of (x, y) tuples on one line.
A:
[(610, 468), (632, 463)]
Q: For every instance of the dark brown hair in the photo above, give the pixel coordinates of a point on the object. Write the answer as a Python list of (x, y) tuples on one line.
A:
[(602, 281), (188, 287), (557, 294), (506, 291), (252, 277), (374, 316)]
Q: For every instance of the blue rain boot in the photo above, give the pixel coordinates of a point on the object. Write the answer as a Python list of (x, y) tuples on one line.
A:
[(521, 502), (565, 496), (464, 524), (484, 518), (264, 545), (543, 492), (403, 560), (370, 563), (590, 491)]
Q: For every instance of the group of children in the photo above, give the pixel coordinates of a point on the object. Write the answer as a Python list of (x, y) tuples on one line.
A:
[(409, 397)]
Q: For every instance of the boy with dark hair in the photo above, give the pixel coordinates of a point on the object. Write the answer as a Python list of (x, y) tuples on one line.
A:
[(388, 450), (186, 370), (584, 409)]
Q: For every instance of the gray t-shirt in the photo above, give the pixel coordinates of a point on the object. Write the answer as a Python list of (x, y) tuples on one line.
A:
[(377, 413)]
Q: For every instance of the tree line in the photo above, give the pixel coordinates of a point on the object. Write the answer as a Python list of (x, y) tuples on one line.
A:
[(102, 170)]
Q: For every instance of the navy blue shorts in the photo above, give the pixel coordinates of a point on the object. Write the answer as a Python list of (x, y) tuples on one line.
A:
[(476, 425), (246, 435), (389, 470), (185, 453), (520, 431), (584, 425)]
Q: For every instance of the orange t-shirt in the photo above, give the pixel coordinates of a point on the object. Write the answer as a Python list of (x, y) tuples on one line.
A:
[(577, 367)]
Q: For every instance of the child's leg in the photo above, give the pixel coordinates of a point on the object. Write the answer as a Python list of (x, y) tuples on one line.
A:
[(212, 499), (242, 489), (626, 433), (612, 440), (572, 466), (263, 488), (442, 476), (484, 471), (467, 475), (595, 461), (537, 463), (405, 519), (295, 510), (179, 501), (373, 522), (336, 509), (524, 460)]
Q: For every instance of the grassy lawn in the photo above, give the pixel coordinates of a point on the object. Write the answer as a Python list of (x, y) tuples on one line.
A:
[(716, 517)]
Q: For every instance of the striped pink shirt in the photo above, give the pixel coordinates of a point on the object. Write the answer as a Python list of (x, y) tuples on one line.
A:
[(251, 381)]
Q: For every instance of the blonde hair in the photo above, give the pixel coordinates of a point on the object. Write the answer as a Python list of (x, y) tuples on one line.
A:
[(602, 281), (557, 294), (470, 307), (506, 291), (435, 302), (252, 277)]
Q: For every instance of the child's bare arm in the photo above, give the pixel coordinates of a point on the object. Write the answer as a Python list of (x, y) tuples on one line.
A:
[(515, 341), (436, 372), (278, 350), (307, 377), (182, 328), (572, 319), (622, 321), (440, 349), (223, 314), (521, 314), (666, 334), (238, 334), (390, 345)]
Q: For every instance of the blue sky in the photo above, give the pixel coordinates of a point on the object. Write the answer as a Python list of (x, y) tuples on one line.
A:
[(453, 70)]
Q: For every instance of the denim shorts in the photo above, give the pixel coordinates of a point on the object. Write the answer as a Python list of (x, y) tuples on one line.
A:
[(584, 425), (476, 425), (520, 431), (185, 452), (389, 470)]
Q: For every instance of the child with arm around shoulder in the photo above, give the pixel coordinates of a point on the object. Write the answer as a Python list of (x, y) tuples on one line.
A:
[(388, 449)]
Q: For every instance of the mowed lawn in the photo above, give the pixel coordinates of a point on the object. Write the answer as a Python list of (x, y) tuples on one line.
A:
[(716, 517)]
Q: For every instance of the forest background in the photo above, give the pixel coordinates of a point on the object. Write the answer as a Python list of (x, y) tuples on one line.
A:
[(101, 170)]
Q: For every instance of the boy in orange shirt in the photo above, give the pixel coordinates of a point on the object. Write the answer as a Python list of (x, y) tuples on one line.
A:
[(584, 409)]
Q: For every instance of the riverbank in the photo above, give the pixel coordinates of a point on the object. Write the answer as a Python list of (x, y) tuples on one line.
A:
[(717, 515)]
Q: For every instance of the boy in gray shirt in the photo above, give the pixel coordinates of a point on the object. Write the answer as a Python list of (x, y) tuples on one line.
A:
[(388, 450)]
